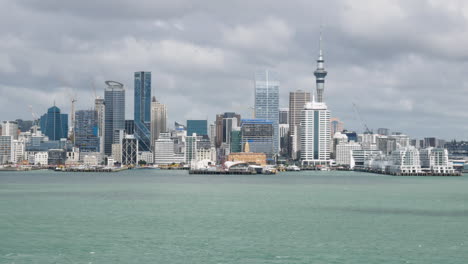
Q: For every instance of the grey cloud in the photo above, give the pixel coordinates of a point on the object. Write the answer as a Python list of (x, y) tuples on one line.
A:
[(402, 62)]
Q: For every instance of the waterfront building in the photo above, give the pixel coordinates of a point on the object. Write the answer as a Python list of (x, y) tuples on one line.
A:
[(56, 157), (344, 152), (267, 102), (320, 74), (297, 101), (335, 126), (129, 150), (142, 110), (117, 152), (54, 124), (248, 157), (5, 149), (18, 148), (91, 159), (86, 131), (436, 160), (114, 97), (225, 123), (10, 128), (405, 160), (73, 156), (100, 108), (164, 153), (199, 127), (158, 120), (259, 133), (40, 158), (315, 134), (146, 156), (191, 149), (359, 156), (284, 116)]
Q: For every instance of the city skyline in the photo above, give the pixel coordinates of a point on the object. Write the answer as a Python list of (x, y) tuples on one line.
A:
[(394, 77)]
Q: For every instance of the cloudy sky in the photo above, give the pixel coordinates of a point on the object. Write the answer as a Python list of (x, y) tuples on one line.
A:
[(404, 63)]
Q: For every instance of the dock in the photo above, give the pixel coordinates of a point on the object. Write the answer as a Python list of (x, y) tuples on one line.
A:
[(219, 172)]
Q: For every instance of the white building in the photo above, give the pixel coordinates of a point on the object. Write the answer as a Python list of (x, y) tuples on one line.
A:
[(405, 160), (17, 151), (164, 151), (359, 156), (344, 152), (73, 157), (91, 160), (117, 152), (10, 128), (436, 160), (146, 156), (41, 158), (368, 141), (315, 134)]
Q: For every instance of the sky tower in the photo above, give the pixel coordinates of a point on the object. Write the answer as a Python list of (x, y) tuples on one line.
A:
[(320, 73)]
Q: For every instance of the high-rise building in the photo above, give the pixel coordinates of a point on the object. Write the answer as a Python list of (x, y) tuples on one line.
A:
[(129, 150), (100, 108), (284, 116), (191, 149), (297, 100), (10, 128), (199, 127), (320, 73), (267, 101), (284, 139), (335, 126), (315, 134), (164, 150), (142, 110), (225, 123), (6, 143), (86, 131), (259, 134), (158, 119), (54, 124), (129, 127), (236, 139), (24, 125), (114, 97)]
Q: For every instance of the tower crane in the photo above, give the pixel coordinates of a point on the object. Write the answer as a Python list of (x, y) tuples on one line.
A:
[(358, 114)]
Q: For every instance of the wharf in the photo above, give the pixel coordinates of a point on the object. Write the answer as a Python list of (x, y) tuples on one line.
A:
[(217, 172), (410, 173), (92, 169)]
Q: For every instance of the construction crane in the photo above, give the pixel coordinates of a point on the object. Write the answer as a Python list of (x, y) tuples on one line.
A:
[(35, 118), (358, 114)]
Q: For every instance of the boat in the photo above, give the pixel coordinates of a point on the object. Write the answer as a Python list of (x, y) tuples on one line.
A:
[(293, 168)]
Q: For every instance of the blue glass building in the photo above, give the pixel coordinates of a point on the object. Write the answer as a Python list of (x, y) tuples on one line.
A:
[(259, 133), (114, 98), (197, 126), (267, 101), (142, 110), (86, 131), (54, 124)]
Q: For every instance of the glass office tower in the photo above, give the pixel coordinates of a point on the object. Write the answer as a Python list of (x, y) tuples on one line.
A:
[(267, 101), (54, 124), (114, 97), (142, 110)]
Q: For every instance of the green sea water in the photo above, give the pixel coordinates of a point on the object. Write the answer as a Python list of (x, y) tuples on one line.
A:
[(150, 216)]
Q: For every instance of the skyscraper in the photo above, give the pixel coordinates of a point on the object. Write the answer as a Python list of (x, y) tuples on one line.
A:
[(320, 73), (100, 108), (259, 133), (54, 124), (284, 116), (267, 101), (315, 134), (225, 123), (142, 110), (114, 97), (297, 101), (86, 131), (10, 128), (158, 120), (200, 127)]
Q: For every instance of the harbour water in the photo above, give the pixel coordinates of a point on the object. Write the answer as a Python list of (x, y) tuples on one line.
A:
[(151, 216)]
